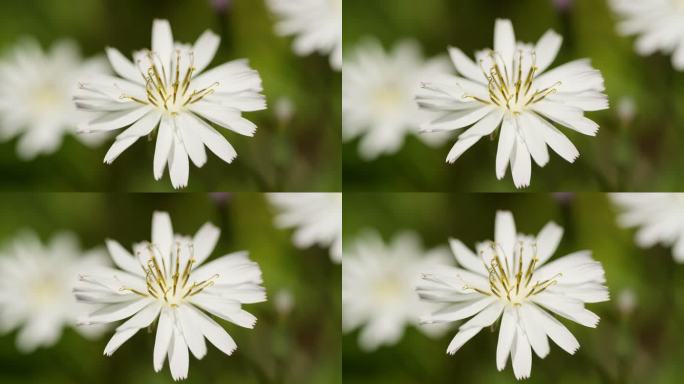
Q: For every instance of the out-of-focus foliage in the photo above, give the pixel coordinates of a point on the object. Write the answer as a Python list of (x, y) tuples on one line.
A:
[(299, 345), (641, 154), (641, 346), (297, 153)]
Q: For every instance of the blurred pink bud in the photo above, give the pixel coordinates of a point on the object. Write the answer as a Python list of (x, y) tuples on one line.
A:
[(222, 6), (563, 5)]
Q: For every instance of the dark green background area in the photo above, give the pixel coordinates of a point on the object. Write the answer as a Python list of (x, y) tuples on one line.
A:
[(644, 347), (643, 155), (299, 155), (299, 347)]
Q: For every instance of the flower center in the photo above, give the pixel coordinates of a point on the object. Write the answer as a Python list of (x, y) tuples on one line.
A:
[(388, 289), (46, 98), (171, 92), (44, 291), (515, 283), (511, 88), (388, 98), (170, 284)]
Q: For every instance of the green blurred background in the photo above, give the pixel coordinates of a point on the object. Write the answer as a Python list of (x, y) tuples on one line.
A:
[(639, 154), (643, 346), (299, 346), (296, 154)]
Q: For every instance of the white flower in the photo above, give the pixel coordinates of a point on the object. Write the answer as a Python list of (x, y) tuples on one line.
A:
[(35, 95), (35, 284), (510, 280), (317, 25), (317, 218), (658, 23), (659, 217), (166, 281), (508, 88), (166, 88), (378, 287), (379, 96)]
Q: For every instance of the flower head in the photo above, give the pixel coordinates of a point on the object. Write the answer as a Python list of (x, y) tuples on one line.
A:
[(35, 95), (167, 90), (378, 96), (317, 218), (508, 88), (378, 287), (36, 280), (659, 217), (658, 23), (511, 280), (317, 25), (166, 281)]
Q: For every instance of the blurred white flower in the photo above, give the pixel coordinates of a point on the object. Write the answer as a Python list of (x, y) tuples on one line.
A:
[(36, 88), (508, 88), (626, 301), (284, 301), (164, 281), (657, 23), (284, 109), (316, 25), (659, 217), (510, 281), (316, 217), (35, 284), (378, 287), (166, 88), (379, 91), (626, 109)]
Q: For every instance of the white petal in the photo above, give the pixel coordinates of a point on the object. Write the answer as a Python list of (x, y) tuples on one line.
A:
[(123, 67), (521, 165), (457, 311), (115, 312), (466, 257), (205, 241), (456, 120), (192, 142), (521, 356), (162, 42), (162, 234), (547, 241), (163, 339), (460, 147), (486, 126), (504, 41), (193, 336), (547, 49), (461, 338), (114, 120), (118, 147), (213, 140), (178, 357), (205, 49), (555, 138), (212, 331), (118, 339), (123, 259), (142, 127), (505, 148), (505, 233), (533, 140), (535, 333), (486, 317), (163, 147), (179, 167), (225, 117), (567, 116), (143, 318), (555, 330), (506, 336), (465, 66)]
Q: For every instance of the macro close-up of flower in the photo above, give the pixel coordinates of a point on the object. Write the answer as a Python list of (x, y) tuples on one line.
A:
[(509, 278), (316, 218), (36, 280), (378, 287), (507, 87), (316, 25), (378, 98), (166, 91), (659, 218), (36, 88), (657, 25), (164, 280)]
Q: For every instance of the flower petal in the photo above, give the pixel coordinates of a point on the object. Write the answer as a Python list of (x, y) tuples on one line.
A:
[(547, 241), (205, 49), (123, 259), (205, 241), (212, 331), (118, 339), (506, 336), (163, 147), (163, 339), (162, 42)]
